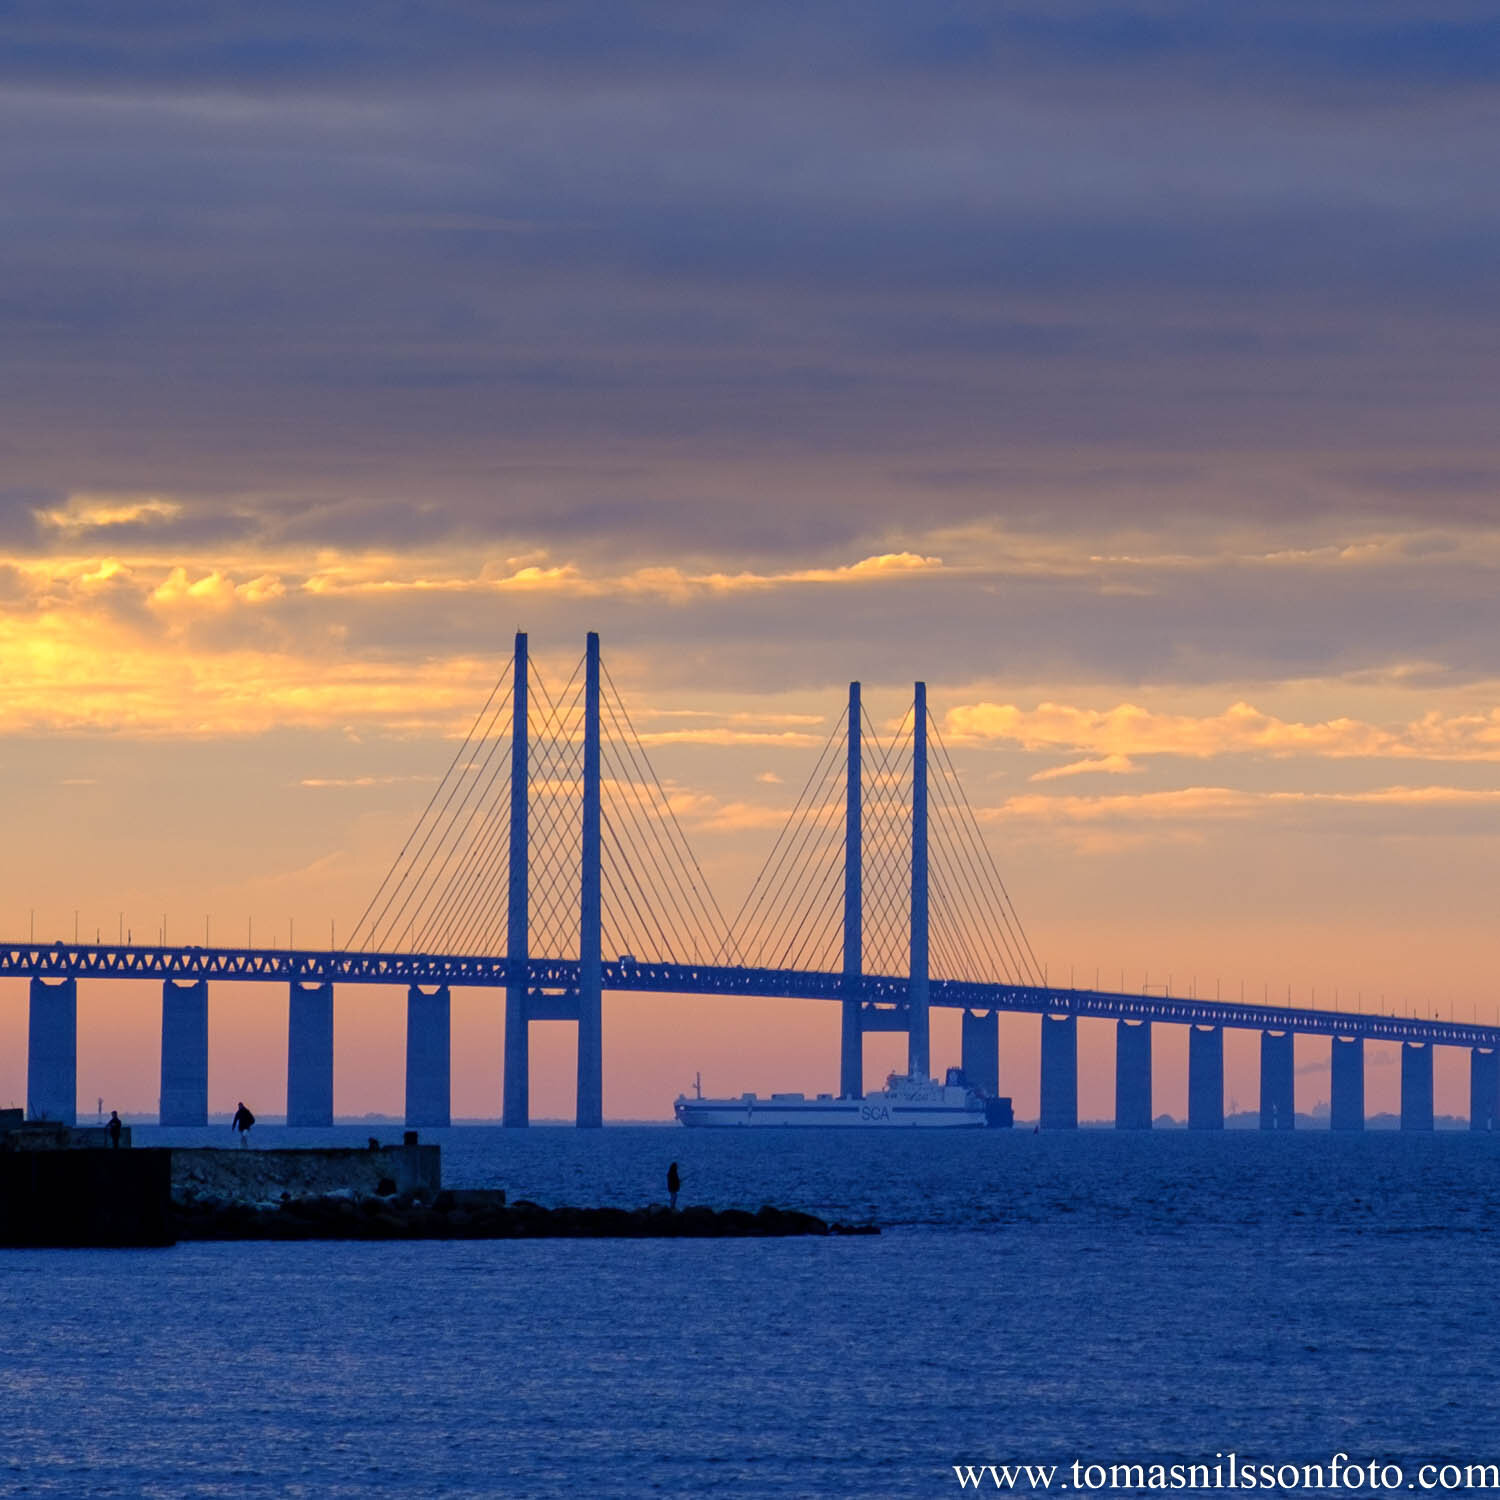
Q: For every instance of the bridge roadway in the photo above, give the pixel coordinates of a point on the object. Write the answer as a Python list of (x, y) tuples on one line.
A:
[(554, 982)]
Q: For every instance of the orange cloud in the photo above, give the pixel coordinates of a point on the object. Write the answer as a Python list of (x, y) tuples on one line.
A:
[(1207, 803), (1128, 730), (1106, 765)]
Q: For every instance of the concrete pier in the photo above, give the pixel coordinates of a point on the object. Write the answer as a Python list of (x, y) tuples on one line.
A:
[(1132, 1075), (1346, 1084), (52, 1052), (309, 1055), (1416, 1086), (184, 1053), (1278, 1109), (981, 1052), (73, 1198), (429, 1057), (1205, 1078), (1059, 1072), (1484, 1088)]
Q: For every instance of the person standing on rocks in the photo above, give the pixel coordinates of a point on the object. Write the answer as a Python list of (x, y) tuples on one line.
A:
[(242, 1122), (114, 1127), (674, 1183)]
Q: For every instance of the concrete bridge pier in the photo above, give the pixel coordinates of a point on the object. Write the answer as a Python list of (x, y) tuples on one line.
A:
[(1484, 1088), (1277, 1107), (429, 1058), (184, 1053), (1416, 1086), (1132, 1075), (1346, 1084), (1205, 1078), (309, 1055), (52, 1052), (981, 1052), (1059, 1072)]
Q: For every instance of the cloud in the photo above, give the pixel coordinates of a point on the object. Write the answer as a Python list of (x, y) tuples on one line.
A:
[(705, 813), (787, 739), (1128, 730), (360, 781), (1107, 765), (949, 47), (708, 292), (83, 513), (105, 617), (213, 592), (1199, 805)]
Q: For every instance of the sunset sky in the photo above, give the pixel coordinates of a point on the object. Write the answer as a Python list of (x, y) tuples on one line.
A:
[(1127, 372)]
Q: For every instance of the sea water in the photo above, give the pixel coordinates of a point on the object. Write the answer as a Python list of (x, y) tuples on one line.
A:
[(1034, 1299)]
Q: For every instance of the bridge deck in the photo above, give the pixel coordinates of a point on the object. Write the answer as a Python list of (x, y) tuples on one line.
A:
[(121, 961)]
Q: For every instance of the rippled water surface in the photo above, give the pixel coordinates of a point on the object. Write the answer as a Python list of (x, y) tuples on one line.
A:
[(1035, 1298)]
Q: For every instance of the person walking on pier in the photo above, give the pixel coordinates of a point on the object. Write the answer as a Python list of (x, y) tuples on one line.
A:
[(114, 1127), (674, 1183), (242, 1122)]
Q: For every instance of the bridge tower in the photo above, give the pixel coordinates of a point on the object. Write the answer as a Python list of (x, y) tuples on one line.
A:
[(590, 937), (522, 1006), (918, 1048), (851, 1033), (516, 1095)]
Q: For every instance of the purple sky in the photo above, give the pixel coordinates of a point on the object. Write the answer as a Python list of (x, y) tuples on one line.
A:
[(1109, 367)]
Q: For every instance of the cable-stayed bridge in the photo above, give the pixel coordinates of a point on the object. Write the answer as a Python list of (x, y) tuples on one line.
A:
[(550, 862)]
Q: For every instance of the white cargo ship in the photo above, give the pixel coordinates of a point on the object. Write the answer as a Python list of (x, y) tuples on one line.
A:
[(923, 1104)]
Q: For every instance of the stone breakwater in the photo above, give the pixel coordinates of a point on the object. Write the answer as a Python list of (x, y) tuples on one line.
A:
[(266, 1176), (457, 1215)]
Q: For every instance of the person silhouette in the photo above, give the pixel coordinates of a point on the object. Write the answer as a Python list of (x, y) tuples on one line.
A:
[(674, 1183), (242, 1122), (114, 1127)]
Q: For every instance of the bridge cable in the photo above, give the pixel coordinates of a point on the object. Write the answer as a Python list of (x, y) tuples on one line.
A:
[(416, 886), (437, 791), (973, 893), (768, 878), (645, 825), (412, 883), (629, 889), (623, 834), (970, 900), (888, 866), (548, 752), (887, 883), (634, 743), (398, 932), (765, 891), (1006, 923), (468, 877), (971, 823), (820, 939), (811, 847), (553, 812)]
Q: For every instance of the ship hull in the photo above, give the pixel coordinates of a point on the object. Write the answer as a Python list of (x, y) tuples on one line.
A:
[(871, 1113)]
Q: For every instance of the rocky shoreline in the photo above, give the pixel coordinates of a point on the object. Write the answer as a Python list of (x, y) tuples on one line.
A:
[(477, 1215)]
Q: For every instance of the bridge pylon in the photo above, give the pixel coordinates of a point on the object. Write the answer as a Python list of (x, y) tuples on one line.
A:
[(516, 1084), (918, 1034), (851, 1031)]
